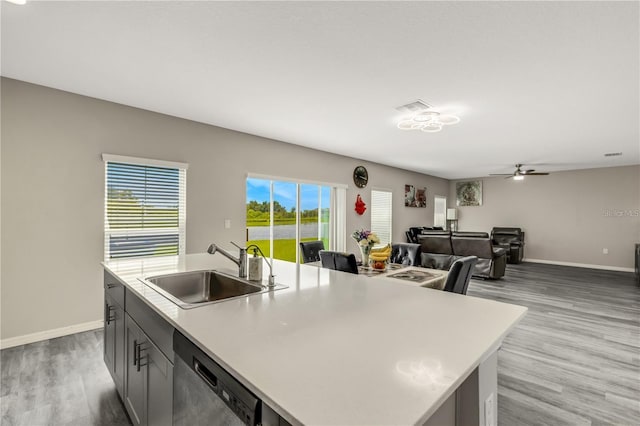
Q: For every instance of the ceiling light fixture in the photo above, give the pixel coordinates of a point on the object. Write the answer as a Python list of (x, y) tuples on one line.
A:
[(427, 120), (20, 2)]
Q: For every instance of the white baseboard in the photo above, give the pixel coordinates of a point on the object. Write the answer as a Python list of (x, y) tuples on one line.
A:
[(581, 265), (50, 334)]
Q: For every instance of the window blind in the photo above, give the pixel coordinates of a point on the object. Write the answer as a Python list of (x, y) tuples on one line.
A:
[(440, 211), (381, 209), (145, 211)]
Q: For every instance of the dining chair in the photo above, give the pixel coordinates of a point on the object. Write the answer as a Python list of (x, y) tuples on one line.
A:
[(338, 261), (460, 274), (327, 259), (310, 250), (346, 262)]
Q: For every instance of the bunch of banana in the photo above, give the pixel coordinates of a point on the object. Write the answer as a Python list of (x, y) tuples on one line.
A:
[(380, 253)]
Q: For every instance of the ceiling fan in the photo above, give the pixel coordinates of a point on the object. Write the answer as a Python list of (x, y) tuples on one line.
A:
[(519, 174)]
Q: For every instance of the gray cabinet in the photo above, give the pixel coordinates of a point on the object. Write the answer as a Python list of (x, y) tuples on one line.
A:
[(136, 377), (114, 340), (138, 351), (148, 394), (159, 388)]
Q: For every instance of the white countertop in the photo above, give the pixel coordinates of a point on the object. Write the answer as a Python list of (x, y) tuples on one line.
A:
[(336, 348)]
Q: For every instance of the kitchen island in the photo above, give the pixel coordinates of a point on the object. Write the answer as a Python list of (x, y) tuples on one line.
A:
[(342, 349)]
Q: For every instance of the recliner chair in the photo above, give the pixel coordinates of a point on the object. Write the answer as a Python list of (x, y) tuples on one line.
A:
[(436, 248), (510, 239), (492, 261)]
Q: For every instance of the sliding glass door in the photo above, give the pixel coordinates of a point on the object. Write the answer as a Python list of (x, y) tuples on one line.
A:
[(281, 214), (284, 223)]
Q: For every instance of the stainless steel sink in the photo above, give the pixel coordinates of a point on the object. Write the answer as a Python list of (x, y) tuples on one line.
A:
[(198, 288)]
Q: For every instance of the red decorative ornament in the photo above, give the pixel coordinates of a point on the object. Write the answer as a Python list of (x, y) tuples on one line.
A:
[(360, 205)]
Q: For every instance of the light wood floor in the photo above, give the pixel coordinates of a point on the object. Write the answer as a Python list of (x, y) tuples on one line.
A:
[(573, 360)]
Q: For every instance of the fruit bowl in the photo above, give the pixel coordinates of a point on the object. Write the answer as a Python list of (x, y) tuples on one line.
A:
[(380, 265)]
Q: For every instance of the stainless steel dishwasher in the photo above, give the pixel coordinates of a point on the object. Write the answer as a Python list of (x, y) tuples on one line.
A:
[(205, 394)]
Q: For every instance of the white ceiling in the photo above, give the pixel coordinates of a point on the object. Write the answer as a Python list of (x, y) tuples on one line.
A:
[(553, 85)]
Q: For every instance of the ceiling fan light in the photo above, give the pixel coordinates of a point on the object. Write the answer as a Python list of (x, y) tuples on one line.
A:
[(406, 125), (449, 119), (427, 120), (431, 127), (426, 116), (518, 177)]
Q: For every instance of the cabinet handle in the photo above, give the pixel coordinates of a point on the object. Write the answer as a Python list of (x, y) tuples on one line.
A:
[(139, 357), (107, 313), (111, 285), (135, 352)]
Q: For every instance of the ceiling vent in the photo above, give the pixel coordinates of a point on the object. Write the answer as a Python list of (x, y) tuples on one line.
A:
[(613, 154), (416, 106)]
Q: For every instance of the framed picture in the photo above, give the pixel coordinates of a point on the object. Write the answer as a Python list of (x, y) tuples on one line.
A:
[(415, 197), (469, 193)]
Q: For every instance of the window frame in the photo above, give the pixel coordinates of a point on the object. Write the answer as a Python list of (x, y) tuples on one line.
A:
[(180, 230), (435, 214), (337, 210), (390, 217)]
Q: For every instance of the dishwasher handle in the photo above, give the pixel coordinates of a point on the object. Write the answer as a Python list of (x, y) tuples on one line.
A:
[(206, 375)]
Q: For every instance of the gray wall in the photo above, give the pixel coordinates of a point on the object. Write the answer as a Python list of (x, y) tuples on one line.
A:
[(568, 216), (51, 147)]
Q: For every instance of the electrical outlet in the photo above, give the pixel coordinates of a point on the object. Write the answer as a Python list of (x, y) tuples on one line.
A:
[(605, 251), (489, 416), (227, 224)]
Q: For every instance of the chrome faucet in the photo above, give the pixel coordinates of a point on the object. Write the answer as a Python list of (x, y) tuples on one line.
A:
[(241, 260), (272, 278)]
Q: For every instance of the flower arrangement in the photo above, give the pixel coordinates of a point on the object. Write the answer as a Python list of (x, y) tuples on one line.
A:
[(364, 237), (366, 240)]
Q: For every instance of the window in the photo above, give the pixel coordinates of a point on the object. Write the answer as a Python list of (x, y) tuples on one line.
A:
[(381, 209), (145, 212), (282, 213), (440, 211)]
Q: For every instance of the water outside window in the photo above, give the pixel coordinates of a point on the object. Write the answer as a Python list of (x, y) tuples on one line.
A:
[(284, 220), (273, 222)]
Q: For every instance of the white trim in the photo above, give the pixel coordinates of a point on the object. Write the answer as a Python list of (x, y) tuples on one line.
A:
[(50, 334), (380, 188), (110, 158), (295, 180), (581, 265), (339, 217)]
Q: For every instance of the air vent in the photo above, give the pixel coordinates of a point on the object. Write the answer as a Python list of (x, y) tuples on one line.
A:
[(418, 105), (613, 154)]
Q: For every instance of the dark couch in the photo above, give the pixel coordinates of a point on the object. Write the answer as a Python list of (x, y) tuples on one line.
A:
[(436, 249), (441, 248), (492, 261), (510, 239), (413, 232)]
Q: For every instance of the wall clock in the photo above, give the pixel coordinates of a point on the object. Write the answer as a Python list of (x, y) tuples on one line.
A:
[(360, 176)]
